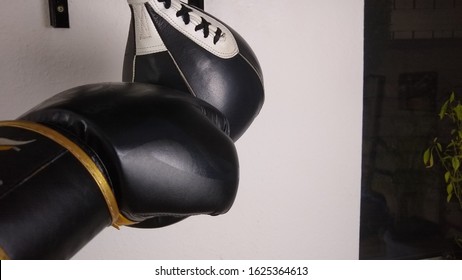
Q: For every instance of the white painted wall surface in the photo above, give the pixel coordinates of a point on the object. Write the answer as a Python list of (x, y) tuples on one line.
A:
[(299, 193)]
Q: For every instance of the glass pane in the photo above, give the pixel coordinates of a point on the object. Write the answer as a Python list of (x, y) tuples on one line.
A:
[(412, 64)]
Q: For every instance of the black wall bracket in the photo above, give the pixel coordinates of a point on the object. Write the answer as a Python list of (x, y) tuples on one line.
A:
[(59, 13), (197, 3)]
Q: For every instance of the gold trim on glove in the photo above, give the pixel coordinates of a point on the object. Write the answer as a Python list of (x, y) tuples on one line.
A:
[(117, 218), (3, 255)]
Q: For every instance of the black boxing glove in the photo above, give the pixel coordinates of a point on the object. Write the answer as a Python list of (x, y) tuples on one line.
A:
[(108, 154), (171, 43)]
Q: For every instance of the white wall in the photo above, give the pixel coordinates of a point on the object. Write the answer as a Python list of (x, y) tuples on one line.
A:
[(300, 162)]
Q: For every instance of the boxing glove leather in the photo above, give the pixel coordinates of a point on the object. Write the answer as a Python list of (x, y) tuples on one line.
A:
[(54, 198), (160, 154), (173, 44)]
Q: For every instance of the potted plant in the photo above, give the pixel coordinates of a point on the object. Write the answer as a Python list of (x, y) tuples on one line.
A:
[(449, 154)]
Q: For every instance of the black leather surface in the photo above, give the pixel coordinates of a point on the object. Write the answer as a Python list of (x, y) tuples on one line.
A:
[(50, 206), (234, 86), (162, 69), (164, 155)]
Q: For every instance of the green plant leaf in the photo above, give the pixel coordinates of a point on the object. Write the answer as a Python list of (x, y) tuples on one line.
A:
[(455, 163), (426, 157), (447, 176), (450, 189), (444, 109), (447, 158), (440, 148), (456, 179), (458, 111), (452, 97)]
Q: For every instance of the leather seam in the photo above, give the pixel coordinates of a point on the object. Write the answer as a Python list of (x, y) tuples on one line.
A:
[(134, 68), (191, 91), (32, 174), (253, 68)]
